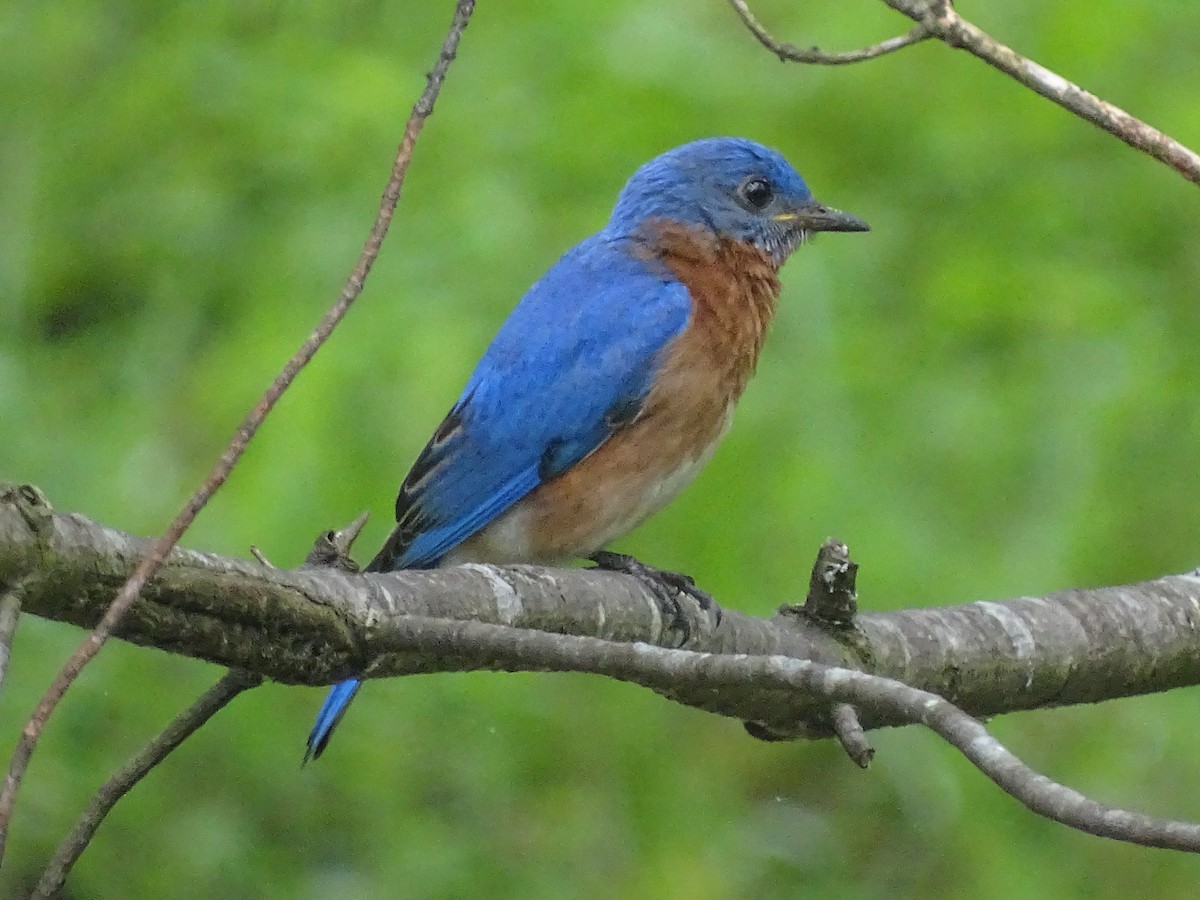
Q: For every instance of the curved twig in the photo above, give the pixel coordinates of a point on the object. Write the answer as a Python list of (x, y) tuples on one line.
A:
[(245, 431), (938, 18), (851, 735), (819, 57), (670, 669), (183, 726)]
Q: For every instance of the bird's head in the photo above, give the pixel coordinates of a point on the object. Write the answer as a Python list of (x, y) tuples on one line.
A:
[(732, 187)]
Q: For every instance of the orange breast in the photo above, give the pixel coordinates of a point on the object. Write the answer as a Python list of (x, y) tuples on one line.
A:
[(647, 462)]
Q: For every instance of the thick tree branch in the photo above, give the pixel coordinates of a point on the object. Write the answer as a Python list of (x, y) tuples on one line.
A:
[(28, 502), (316, 625), (792, 672)]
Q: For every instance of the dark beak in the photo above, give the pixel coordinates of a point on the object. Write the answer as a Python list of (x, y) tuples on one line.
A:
[(815, 217)]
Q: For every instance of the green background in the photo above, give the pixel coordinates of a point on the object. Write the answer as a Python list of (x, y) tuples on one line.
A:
[(993, 393)]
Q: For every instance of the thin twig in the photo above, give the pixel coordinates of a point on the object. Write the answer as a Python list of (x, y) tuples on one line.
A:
[(832, 604), (185, 724), (941, 19), (331, 548), (851, 735), (668, 670), (237, 445), (10, 614), (819, 57), (938, 18)]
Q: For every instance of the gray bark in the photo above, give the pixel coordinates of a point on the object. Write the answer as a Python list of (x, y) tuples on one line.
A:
[(317, 625)]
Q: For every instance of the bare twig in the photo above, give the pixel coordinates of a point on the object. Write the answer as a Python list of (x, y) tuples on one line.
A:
[(938, 18), (945, 23), (10, 613), (832, 600), (670, 670), (851, 736), (831, 604), (819, 57), (184, 725), (245, 431)]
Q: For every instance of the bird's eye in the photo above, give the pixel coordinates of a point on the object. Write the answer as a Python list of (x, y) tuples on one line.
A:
[(756, 192)]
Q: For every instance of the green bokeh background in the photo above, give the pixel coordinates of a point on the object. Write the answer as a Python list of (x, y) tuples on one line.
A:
[(993, 393)]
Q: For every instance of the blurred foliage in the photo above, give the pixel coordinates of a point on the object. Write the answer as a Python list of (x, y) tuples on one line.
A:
[(993, 393)]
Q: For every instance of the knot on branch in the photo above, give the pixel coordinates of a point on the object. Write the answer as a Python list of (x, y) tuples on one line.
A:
[(331, 549), (32, 505), (832, 598)]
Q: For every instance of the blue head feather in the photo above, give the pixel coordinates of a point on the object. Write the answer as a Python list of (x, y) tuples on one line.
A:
[(732, 187)]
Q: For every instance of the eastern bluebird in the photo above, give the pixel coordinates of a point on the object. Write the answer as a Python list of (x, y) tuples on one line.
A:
[(610, 384)]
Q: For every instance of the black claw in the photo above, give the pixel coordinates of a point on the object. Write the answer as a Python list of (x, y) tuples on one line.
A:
[(685, 584), (667, 586)]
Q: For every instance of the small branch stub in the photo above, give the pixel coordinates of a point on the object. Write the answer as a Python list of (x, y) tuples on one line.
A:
[(851, 735), (832, 599), (332, 548), (831, 603), (31, 503)]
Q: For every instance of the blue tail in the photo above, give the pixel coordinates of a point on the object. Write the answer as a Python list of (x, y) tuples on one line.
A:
[(337, 701)]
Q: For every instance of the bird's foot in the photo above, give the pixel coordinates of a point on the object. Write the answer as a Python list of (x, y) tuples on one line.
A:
[(667, 586)]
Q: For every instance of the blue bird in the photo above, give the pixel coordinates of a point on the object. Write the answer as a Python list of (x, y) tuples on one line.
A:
[(612, 381)]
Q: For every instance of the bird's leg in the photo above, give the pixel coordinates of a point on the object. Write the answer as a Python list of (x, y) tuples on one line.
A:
[(665, 585)]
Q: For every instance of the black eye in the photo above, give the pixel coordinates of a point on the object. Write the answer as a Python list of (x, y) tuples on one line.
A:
[(756, 191)]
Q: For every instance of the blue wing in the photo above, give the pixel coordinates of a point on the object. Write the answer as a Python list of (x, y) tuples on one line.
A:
[(574, 360), (571, 364)]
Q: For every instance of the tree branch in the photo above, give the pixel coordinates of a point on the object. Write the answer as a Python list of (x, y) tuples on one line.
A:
[(28, 502), (851, 735), (792, 672), (180, 729), (317, 625), (10, 613), (154, 554), (815, 55), (938, 18), (331, 548)]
